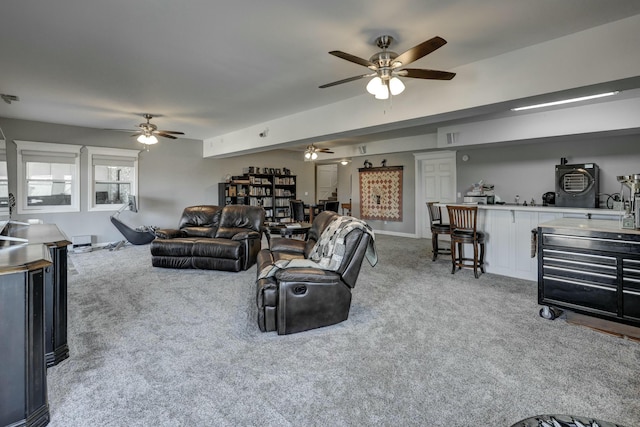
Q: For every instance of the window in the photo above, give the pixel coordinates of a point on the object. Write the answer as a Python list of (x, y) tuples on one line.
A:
[(48, 177), (4, 181), (113, 177)]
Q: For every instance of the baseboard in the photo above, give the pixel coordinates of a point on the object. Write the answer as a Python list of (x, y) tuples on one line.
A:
[(602, 325), (396, 233)]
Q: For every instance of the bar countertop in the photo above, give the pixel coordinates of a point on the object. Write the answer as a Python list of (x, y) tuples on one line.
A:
[(603, 225), (540, 208)]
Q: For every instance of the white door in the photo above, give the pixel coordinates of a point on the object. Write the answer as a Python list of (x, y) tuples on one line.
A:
[(326, 181), (435, 182)]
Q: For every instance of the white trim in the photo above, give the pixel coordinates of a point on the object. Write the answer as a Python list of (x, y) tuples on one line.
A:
[(420, 207), (396, 233), (4, 210), (127, 155), (47, 147)]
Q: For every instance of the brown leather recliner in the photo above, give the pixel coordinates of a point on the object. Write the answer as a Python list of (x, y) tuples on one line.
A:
[(211, 238), (296, 299)]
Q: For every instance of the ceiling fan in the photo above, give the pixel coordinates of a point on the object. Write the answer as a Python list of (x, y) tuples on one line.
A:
[(311, 153), (148, 131), (387, 66)]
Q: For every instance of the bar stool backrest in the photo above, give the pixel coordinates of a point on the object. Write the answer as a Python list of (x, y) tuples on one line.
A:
[(463, 218), (435, 213)]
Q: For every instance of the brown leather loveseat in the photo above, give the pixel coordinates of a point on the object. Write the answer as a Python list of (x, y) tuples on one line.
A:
[(306, 284), (211, 238)]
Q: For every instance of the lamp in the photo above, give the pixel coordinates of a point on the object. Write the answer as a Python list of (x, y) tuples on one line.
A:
[(148, 139)]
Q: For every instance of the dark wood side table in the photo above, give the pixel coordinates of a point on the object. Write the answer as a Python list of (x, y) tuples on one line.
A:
[(23, 377), (288, 232), (56, 347)]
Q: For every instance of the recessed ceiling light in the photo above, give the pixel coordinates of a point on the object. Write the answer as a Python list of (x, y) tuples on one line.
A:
[(565, 101)]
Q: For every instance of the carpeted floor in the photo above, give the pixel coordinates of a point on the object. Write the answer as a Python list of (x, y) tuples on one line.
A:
[(422, 347)]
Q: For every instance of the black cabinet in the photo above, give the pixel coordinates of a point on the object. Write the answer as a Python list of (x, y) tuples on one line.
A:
[(56, 347), (55, 288), (591, 267), (23, 381)]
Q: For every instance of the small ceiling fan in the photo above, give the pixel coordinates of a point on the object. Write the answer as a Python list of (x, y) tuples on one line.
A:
[(387, 66), (311, 153), (148, 131)]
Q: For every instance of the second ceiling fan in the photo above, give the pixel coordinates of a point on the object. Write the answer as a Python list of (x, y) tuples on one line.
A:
[(148, 131), (311, 153), (387, 66)]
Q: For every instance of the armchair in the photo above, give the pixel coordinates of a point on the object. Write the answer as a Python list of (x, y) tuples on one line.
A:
[(303, 285)]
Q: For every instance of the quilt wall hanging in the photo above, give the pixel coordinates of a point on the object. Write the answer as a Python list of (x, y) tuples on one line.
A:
[(381, 193)]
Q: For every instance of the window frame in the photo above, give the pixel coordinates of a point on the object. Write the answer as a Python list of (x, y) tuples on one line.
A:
[(5, 211), (126, 155), (47, 149)]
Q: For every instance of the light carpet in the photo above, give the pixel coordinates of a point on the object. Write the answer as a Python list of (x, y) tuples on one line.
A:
[(421, 347)]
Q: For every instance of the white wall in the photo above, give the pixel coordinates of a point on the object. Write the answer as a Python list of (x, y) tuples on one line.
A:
[(527, 169), (172, 175)]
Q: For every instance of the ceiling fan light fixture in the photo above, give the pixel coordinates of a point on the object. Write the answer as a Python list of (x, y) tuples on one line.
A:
[(148, 139), (374, 85), (396, 87), (314, 155), (307, 155), (383, 92)]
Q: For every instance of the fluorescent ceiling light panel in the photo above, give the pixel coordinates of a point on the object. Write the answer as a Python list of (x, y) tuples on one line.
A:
[(565, 101)]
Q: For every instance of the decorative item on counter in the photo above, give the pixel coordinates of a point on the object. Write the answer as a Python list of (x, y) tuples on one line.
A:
[(384, 163), (368, 164)]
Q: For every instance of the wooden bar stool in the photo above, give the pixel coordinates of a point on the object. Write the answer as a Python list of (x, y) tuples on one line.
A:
[(437, 227), (464, 229)]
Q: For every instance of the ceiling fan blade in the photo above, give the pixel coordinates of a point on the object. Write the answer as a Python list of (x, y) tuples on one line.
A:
[(350, 79), (418, 73), (165, 135), (353, 58), (324, 150), (171, 131), (420, 50)]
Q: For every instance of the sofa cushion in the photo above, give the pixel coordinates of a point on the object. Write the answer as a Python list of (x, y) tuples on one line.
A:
[(199, 231), (201, 216), (217, 248), (178, 247)]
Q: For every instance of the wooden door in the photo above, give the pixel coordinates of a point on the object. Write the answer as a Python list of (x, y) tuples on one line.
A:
[(436, 183)]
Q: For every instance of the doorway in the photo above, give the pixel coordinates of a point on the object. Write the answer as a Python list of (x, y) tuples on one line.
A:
[(435, 182), (326, 182)]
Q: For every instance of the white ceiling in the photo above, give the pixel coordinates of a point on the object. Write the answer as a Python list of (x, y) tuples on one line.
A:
[(210, 67)]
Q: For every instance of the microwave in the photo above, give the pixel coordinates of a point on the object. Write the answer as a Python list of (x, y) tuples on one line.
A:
[(481, 200)]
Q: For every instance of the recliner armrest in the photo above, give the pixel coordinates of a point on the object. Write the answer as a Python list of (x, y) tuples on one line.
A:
[(281, 244), (306, 274), (244, 235), (169, 233)]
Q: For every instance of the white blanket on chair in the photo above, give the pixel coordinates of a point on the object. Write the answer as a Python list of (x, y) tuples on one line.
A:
[(329, 250)]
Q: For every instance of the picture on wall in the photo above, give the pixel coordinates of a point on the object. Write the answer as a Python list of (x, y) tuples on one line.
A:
[(381, 193)]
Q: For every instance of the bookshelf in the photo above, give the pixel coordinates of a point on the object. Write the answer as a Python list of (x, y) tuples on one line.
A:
[(272, 192)]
